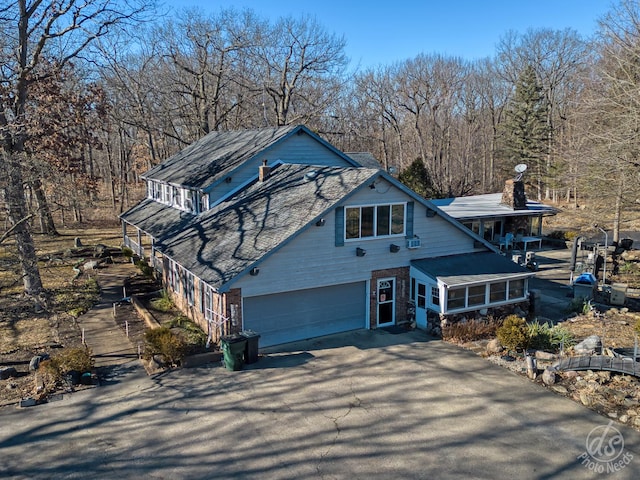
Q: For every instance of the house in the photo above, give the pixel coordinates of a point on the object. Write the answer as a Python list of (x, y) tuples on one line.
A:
[(276, 231), (507, 219)]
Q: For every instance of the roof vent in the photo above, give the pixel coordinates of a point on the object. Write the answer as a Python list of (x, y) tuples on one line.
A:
[(310, 175)]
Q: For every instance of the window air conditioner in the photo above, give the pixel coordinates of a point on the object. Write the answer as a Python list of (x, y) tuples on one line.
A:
[(413, 242)]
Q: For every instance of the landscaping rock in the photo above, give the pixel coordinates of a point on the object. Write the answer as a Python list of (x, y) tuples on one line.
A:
[(589, 346), (570, 374), (38, 383), (35, 361), (586, 399), (549, 376), (8, 372), (636, 422), (494, 346), (90, 265), (27, 402), (545, 356), (624, 418), (560, 389)]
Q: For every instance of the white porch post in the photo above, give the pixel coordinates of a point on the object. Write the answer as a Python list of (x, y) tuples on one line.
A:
[(140, 251)]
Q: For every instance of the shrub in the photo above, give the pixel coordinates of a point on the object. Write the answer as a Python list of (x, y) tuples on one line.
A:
[(162, 341), (539, 335), (579, 305), (145, 268), (570, 235), (470, 330), (163, 303), (127, 252), (560, 336), (57, 367), (191, 334), (545, 336), (78, 359), (513, 333)]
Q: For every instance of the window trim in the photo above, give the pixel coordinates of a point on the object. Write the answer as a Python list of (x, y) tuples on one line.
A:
[(487, 295), (375, 221)]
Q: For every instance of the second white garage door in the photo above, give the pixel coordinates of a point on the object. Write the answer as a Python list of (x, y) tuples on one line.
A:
[(301, 314)]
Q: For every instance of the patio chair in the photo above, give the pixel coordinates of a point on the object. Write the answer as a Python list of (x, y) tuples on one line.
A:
[(506, 241)]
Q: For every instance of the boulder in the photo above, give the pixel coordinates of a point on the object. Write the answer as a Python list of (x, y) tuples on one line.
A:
[(560, 389), (35, 361), (549, 376), (494, 346), (545, 356), (586, 399), (8, 372), (589, 346), (90, 265)]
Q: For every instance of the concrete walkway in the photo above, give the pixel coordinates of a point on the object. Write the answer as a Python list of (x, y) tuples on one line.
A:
[(107, 340), (552, 282)]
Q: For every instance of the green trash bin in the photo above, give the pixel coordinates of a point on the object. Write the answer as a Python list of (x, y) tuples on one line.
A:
[(233, 347)]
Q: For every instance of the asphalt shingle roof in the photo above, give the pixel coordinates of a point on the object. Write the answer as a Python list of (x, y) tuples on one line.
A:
[(470, 268), (365, 159), (214, 155), (156, 219), (224, 242)]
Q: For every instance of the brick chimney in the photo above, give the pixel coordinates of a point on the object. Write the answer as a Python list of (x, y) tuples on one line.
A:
[(514, 195), (263, 171)]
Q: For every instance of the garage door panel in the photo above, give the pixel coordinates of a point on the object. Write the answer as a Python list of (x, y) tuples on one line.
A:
[(301, 314)]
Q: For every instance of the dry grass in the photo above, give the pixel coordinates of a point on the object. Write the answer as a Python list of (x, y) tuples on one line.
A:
[(24, 334)]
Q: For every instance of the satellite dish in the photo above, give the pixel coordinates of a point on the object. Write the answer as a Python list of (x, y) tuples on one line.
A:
[(520, 169)]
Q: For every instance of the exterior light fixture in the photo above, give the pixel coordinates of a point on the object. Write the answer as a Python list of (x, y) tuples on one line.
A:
[(254, 271), (360, 252), (393, 248), (321, 222)]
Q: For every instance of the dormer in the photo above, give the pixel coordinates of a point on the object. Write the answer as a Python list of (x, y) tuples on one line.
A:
[(181, 198)]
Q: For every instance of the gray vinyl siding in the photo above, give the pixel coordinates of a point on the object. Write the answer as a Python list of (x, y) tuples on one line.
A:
[(313, 260), (303, 314), (299, 149)]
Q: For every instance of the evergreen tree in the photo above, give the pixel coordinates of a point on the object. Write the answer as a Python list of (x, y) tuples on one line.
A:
[(525, 128), (417, 178)]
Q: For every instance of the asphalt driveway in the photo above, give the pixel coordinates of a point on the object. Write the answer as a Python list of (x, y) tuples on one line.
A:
[(368, 404)]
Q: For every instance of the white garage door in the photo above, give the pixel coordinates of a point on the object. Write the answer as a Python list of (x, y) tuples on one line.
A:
[(302, 314)]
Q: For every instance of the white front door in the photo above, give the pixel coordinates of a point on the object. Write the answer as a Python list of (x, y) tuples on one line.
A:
[(386, 302)]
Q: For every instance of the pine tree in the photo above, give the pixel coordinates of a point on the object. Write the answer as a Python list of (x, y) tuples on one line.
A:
[(525, 128), (417, 178)]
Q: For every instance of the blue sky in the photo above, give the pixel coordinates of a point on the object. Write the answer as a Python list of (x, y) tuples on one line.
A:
[(385, 32)]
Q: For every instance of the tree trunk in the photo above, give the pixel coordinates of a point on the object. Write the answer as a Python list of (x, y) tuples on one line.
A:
[(617, 213), (47, 225), (17, 211)]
